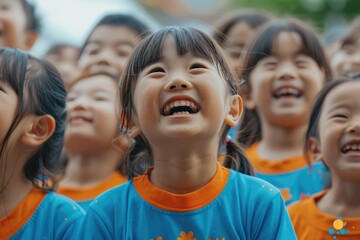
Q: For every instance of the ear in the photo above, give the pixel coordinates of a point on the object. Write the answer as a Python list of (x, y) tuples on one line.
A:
[(249, 102), (235, 110), (315, 149), (40, 130), (30, 40)]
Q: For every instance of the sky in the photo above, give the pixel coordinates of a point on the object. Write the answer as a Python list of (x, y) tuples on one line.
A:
[(69, 21)]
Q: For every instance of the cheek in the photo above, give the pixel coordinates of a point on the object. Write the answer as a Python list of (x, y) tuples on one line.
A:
[(337, 60)]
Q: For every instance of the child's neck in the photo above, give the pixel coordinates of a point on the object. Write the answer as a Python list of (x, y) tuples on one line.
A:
[(13, 192), (280, 143), (342, 199), (88, 169), (182, 169)]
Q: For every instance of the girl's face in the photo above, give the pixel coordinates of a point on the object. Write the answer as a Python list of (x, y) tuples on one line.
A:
[(13, 32), (346, 60), (65, 61), (283, 85), (180, 97), (339, 130), (92, 120), (235, 41), (108, 49), (8, 106)]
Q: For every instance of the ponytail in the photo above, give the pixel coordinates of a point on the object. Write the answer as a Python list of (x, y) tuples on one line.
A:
[(235, 158)]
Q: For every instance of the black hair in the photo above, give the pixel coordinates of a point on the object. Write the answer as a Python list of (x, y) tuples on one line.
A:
[(33, 23), (40, 91), (312, 130), (120, 20), (223, 26), (250, 131), (188, 40)]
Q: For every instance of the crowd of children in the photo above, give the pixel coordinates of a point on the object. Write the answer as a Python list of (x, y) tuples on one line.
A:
[(250, 132)]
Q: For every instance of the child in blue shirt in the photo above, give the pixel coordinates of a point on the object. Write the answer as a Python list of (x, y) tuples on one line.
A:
[(179, 94)]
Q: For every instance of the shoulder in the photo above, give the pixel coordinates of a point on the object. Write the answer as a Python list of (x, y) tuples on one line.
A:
[(253, 185)]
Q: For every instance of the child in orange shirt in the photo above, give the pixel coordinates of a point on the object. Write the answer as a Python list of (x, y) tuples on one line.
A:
[(333, 136), (92, 127), (284, 68)]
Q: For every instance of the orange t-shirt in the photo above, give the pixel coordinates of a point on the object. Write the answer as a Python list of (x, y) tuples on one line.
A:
[(310, 223)]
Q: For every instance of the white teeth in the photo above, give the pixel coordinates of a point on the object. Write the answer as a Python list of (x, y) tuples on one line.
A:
[(291, 91), (352, 147), (179, 103)]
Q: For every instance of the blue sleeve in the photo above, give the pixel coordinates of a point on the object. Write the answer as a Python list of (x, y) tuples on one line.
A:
[(95, 227), (271, 220)]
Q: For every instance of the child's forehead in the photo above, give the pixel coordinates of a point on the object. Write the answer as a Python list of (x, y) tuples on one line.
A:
[(343, 93), (99, 81), (286, 42)]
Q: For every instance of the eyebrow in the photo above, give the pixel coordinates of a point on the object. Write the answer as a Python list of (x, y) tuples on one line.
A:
[(339, 105), (116, 43)]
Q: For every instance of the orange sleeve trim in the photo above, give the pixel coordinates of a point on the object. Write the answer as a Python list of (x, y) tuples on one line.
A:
[(88, 193), (21, 214), (269, 166), (182, 202)]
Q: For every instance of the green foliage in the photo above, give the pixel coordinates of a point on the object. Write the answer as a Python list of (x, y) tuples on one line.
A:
[(298, 9)]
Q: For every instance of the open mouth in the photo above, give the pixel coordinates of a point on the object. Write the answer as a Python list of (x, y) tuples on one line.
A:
[(354, 147), (78, 119), (287, 92), (180, 107)]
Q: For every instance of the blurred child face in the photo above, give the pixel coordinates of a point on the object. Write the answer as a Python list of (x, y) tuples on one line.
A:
[(284, 84), (346, 60), (180, 96), (13, 31), (8, 107), (108, 49), (339, 130), (65, 60), (235, 41), (92, 120)]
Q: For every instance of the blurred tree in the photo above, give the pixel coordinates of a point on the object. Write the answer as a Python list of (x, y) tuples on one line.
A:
[(316, 12)]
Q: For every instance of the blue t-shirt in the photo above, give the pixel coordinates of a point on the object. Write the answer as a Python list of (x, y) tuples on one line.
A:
[(292, 176), (42, 216), (230, 206)]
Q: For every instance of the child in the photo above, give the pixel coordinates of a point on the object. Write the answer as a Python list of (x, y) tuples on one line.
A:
[(110, 43), (90, 132), (346, 60), (235, 30), (33, 117), (333, 136), (181, 95), (284, 68), (18, 24), (232, 33), (65, 58)]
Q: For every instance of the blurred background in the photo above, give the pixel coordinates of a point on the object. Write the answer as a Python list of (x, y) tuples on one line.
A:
[(70, 21)]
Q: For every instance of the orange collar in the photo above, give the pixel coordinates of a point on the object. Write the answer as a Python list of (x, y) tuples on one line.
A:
[(21, 214), (182, 202)]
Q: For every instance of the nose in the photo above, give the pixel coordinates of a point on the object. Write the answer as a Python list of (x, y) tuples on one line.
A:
[(80, 103), (104, 57), (355, 126), (178, 82), (286, 71)]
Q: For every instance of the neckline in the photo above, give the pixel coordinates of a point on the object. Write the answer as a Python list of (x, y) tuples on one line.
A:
[(182, 202)]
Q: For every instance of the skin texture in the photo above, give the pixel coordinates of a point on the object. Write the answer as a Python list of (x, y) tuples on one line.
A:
[(108, 49), (65, 60), (235, 42), (90, 132), (339, 125), (285, 117), (13, 31), (346, 59), (184, 146)]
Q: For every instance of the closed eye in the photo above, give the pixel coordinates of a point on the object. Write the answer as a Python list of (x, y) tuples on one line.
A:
[(157, 70), (340, 116), (197, 66)]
